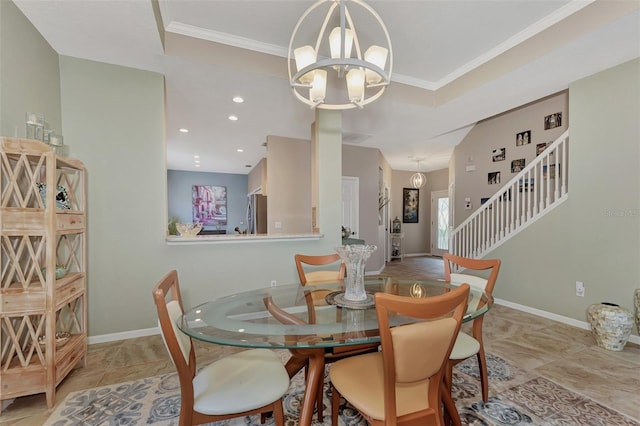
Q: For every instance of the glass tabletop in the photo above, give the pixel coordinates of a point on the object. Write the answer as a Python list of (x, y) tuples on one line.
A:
[(293, 316)]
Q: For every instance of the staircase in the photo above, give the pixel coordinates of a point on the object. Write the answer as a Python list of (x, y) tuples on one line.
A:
[(533, 192)]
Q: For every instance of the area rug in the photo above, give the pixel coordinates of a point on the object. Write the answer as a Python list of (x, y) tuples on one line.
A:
[(521, 399)]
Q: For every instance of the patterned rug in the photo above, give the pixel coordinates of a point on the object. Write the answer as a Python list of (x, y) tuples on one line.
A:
[(519, 398)]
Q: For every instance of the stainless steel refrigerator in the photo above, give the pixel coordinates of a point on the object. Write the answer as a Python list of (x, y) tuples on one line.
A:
[(257, 214)]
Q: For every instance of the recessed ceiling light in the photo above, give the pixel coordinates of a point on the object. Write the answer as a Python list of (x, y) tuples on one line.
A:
[(240, 150), (183, 130), (197, 161), (196, 156), (233, 117), (197, 165), (238, 99)]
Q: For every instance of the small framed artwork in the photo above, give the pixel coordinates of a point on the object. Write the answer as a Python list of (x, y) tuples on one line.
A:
[(505, 196), (493, 178), (540, 147), (209, 204), (552, 121), (523, 138), (517, 165), (525, 185), (550, 171), (499, 154), (410, 204)]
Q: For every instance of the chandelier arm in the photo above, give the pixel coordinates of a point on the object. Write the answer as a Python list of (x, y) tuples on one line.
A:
[(324, 26), (355, 34)]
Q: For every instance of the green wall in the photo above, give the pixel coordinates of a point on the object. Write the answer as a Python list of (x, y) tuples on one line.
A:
[(594, 236)]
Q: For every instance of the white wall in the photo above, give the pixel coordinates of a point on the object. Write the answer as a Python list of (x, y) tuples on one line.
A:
[(30, 74), (114, 120), (594, 236)]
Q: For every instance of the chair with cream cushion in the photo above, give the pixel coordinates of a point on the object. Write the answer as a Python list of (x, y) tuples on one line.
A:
[(312, 271), (245, 383), (467, 346), (403, 384)]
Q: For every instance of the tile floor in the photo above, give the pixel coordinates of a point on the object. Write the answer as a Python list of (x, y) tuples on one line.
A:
[(564, 354)]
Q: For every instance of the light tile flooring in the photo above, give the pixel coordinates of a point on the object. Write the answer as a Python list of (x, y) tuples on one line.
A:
[(564, 354)]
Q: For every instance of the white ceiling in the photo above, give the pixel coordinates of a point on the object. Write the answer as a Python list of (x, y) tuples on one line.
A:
[(454, 63)]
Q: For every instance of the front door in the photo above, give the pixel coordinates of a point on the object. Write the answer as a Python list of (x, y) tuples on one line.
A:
[(439, 222)]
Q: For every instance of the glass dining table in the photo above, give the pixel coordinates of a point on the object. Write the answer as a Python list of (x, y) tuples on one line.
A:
[(307, 320)]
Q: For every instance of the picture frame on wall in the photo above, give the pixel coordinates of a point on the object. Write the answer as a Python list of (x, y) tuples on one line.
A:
[(540, 147), (209, 204), (410, 205), (493, 178), (523, 138), (552, 121), (517, 165), (499, 154)]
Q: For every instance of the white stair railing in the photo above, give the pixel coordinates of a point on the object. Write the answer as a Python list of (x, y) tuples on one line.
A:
[(534, 191)]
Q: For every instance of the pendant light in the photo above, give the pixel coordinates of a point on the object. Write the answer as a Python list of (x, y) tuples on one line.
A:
[(418, 180)]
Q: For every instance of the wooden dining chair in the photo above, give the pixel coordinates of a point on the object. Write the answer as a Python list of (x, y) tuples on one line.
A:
[(317, 277), (467, 346), (403, 384), (245, 383)]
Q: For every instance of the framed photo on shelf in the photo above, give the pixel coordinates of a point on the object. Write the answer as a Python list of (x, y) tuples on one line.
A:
[(410, 204)]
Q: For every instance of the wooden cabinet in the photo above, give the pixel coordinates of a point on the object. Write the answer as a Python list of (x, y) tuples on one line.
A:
[(43, 243)]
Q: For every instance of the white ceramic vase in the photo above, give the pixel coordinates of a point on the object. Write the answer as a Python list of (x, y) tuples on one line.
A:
[(610, 324)]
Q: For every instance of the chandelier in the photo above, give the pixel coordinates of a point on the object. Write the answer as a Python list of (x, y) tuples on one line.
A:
[(320, 63), (418, 179)]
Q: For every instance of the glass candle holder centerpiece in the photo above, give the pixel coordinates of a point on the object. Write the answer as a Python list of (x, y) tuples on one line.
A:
[(354, 257)]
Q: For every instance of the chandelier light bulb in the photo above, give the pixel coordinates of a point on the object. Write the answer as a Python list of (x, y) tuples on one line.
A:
[(355, 85), (305, 56), (377, 56), (335, 42), (319, 87)]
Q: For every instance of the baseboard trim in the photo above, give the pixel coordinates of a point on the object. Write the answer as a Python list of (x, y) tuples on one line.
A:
[(555, 317), (104, 338)]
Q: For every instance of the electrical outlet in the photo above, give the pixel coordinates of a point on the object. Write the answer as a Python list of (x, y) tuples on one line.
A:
[(579, 288), (273, 283)]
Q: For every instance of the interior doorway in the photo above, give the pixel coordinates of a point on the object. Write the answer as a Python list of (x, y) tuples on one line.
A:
[(351, 204), (439, 222)]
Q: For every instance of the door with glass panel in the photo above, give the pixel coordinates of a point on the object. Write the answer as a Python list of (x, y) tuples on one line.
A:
[(439, 222)]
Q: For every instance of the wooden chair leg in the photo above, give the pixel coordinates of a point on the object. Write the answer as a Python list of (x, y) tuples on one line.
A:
[(484, 374), (278, 413), (320, 401), (335, 405)]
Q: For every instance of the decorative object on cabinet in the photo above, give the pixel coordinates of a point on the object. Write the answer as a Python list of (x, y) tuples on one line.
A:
[(43, 318), (610, 324), (396, 226), (188, 229), (397, 246), (410, 204), (62, 197)]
